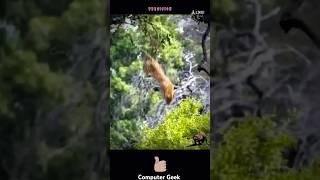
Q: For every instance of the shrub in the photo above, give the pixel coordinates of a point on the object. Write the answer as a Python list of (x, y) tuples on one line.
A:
[(177, 128)]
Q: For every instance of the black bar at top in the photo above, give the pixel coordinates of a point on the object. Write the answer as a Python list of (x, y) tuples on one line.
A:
[(145, 6)]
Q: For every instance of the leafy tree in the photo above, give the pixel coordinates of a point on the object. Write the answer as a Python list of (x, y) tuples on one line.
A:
[(135, 98), (124, 133), (178, 128), (253, 149), (51, 89)]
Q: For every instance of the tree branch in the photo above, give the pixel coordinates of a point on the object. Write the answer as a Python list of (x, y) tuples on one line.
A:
[(204, 51)]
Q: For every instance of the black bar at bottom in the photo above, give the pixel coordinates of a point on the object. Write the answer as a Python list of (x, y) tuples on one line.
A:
[(180, 164)]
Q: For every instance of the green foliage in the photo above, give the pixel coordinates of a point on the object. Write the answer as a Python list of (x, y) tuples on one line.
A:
[(42, 30), (177, 129), (253, 150), (233, 12), (124, 133), (121, 77), (157, 35), (47, 115), (31, 77)]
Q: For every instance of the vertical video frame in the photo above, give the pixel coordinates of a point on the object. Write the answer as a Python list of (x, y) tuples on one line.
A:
[(159, 82)]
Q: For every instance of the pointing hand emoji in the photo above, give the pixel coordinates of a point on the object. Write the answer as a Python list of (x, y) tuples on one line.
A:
[(159, 166)]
